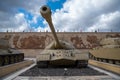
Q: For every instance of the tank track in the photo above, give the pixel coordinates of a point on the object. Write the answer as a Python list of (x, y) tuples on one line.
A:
[(42, 64), (81, 63), (105, 60), (78, 64), (6, 59)]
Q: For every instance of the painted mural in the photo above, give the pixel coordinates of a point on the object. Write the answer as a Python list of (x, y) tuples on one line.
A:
[(36, 41), (31, 42), (77, 42), (91, 41)]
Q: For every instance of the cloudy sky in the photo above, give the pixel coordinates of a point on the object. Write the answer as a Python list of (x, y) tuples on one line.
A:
[(67, 15)]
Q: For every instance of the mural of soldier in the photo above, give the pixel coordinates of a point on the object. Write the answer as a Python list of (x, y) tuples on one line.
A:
[(77, 42), (48, 40), (93, 40)]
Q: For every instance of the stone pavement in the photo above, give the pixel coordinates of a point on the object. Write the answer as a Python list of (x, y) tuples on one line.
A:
[(66, 78)]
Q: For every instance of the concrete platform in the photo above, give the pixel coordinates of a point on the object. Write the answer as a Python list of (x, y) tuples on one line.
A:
[(66, 78), (106, 66), (5, 70)]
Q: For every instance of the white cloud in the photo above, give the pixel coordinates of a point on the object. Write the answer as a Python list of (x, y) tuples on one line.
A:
[(15, 23), (106, 22), (19, 21), (41, 29), (11, 20), (87, 15), (75, 15)]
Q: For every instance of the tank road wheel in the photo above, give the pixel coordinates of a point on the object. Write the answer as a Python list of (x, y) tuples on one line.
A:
[(117, 62), (82, 63), (6, 60), (12, 59), (1, 61), (42, 64), (16, 58), (21, 57)]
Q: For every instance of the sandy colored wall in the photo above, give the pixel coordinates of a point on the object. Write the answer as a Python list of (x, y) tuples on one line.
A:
[(31, 43)]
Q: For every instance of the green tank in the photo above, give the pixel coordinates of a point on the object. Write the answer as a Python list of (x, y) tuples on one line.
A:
[(59, 52), (9, 55), (108, 52)]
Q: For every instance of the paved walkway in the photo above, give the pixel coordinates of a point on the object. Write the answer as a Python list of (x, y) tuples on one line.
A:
[(67, 78)]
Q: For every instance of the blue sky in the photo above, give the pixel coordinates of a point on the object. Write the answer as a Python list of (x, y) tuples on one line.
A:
[(56, 4), (67, 15), (29, 17)]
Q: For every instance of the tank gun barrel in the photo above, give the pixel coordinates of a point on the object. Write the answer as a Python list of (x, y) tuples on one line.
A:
[(46, 14)]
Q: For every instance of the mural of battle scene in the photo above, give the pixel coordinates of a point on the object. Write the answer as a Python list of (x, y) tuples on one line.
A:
[(36, 41), (32, 42), (29, 41)]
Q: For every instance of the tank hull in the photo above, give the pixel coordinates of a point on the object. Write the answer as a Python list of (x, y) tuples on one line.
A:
[(107, 53), (6, 59), (62, 62), (9, 55), (62, 58)]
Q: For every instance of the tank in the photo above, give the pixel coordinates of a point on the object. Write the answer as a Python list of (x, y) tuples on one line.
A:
[(108, 52), (9, 55), (59, 52)]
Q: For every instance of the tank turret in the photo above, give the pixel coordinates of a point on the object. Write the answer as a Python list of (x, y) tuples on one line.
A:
[(59, 52), (4, 44)]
